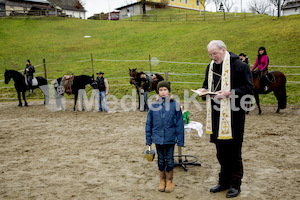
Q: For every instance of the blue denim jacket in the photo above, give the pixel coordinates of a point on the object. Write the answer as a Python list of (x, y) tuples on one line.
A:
[(165, 123)]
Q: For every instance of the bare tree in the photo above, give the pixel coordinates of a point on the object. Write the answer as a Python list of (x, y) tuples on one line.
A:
[(236, 9), (229, 4), (259, 6), (204, 4), (278, 4), (217, 4), (79, 4), (164, 2), (144, 7)]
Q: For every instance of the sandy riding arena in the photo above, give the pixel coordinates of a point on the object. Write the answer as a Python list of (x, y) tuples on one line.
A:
[(96, 155)]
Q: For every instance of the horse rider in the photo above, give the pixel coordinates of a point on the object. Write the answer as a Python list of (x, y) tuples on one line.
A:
[(262, 62), (29, 70)]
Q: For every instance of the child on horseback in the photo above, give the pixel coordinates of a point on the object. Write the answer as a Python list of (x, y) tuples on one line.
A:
[(262, 62), (165, 127)]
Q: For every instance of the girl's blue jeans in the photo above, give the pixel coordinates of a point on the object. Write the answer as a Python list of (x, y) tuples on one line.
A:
[(165, 155)]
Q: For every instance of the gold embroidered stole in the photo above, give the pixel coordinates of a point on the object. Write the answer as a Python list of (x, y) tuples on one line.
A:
[(225, 131)]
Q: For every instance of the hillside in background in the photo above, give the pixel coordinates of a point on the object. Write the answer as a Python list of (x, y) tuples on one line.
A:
[(119, 45)]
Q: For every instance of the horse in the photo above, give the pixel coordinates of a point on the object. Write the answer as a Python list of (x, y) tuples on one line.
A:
[(135, 80), (79, 82), (21, 87), (277, 85)]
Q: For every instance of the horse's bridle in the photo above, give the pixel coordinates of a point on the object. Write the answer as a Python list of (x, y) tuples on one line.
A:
[(134, 82)]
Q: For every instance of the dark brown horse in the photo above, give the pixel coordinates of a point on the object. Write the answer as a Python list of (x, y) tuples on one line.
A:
[(78, 83), (277, 85), (136, 80)]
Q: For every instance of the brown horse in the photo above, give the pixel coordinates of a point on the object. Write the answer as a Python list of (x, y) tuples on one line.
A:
[(277, 85), (136, 80)]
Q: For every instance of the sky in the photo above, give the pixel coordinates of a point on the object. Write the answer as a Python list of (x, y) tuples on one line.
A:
[(98, 6)]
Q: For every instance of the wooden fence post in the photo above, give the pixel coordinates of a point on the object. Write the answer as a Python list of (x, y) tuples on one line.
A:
[(92, 64), (150, 62), (45, 71), (166, 76)]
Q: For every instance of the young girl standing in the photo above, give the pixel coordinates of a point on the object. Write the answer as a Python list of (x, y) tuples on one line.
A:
[(164, 128)]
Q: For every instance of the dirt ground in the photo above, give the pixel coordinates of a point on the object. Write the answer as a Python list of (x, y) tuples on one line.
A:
[(93, 155)]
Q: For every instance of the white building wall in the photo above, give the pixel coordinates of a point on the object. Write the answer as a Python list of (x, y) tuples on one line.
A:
[(76, 14), (133, 10), (291, 11), (130, 11)]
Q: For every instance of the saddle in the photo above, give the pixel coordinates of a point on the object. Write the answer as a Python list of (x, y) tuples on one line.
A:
[(67, 82), (271, 77), (34, 82)]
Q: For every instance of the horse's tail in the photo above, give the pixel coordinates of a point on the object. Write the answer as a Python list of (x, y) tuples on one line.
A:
[(282, 93), (282, 100)]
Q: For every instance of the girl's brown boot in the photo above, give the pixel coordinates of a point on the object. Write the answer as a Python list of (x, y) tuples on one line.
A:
[(169, 185), (162, 184)]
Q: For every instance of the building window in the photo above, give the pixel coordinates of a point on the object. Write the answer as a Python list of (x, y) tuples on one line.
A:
[(186, 1), (180, 1), (173, 0), (129, 9), (197, 2)]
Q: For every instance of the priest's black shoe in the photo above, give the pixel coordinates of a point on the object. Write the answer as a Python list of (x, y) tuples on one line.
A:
[(232, 192), (218, 188)]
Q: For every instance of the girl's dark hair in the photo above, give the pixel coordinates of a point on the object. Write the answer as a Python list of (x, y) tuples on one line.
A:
[(259, 56), (242, 54), (262, 48)]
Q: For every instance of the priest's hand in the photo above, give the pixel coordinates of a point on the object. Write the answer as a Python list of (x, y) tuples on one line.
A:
[(222, 94)]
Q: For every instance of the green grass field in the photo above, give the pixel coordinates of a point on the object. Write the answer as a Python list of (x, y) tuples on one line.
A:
[(62, 44)]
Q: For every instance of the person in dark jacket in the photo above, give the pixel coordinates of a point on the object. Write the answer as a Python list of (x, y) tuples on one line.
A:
[(243, 57), (143, 90), (28, 71), (165, 128), (231, 80), (103, 90)]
